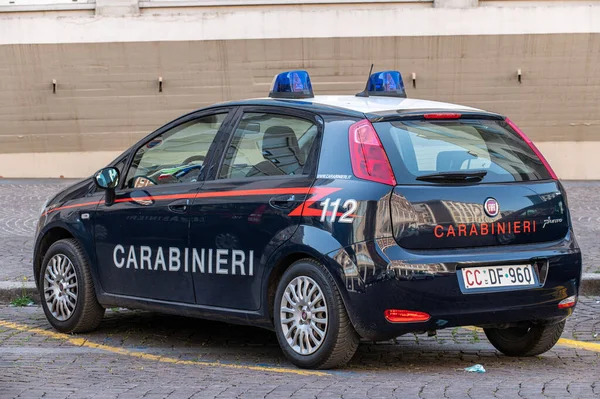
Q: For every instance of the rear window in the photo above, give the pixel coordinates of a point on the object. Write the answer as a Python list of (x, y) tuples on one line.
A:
[(419, 147)]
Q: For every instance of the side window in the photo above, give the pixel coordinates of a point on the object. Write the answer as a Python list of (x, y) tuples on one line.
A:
[(269, 145), (176, 156), (120, 166)]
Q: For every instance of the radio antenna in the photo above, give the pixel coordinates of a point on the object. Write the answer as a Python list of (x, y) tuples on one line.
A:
[(365, 92)]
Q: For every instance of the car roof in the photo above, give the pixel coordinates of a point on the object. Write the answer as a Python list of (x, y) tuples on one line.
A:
[(371, 107), (374, 104)]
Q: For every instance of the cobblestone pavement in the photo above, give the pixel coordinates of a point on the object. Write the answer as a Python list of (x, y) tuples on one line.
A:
[(21, 201), (585, 214), (34, 365), (20, 205)]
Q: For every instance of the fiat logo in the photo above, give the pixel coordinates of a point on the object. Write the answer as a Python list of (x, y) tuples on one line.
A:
[(491, 207)]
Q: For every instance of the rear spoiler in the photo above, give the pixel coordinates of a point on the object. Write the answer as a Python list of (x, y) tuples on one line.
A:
[(390, 116)]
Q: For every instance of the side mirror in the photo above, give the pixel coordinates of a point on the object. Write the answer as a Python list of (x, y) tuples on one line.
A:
[(108, 179)]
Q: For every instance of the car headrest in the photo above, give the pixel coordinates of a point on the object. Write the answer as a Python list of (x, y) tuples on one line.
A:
[(452, 160), (280, 138)]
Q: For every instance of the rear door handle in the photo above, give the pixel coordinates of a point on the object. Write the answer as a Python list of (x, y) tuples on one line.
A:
[(179, 206), (285, 201)]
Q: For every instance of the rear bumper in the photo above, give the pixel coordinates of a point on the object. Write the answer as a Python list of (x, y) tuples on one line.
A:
[(538, 305), (397, 279)]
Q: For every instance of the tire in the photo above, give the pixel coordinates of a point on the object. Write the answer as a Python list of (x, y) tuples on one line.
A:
[(73, 286), (517, 341), (338, 341)]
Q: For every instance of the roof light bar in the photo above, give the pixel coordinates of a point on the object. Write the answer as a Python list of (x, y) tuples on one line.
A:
[(386, 84), (292, 84)]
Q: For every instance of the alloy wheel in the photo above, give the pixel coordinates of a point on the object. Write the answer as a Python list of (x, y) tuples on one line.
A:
[(303, 315), (60, 287)]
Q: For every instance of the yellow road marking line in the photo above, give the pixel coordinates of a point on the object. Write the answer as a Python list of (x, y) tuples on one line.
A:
[(570, 343), (121, 351)]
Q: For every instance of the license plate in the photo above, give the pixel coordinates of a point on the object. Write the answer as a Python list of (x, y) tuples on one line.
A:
[(498, 276)]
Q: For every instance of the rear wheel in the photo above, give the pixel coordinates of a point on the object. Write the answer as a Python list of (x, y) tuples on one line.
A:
[(311, 323), (66, 289), (525, 341)]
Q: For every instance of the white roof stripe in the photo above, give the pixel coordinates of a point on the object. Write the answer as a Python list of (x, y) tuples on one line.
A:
[(379, 104)]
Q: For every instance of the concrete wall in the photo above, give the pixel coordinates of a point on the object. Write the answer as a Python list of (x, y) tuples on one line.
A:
[(106, 71)]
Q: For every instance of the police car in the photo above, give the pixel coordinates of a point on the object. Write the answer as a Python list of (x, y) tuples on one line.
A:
[(324, 218)]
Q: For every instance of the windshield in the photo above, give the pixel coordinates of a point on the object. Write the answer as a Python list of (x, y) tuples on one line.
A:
[(423, 147)]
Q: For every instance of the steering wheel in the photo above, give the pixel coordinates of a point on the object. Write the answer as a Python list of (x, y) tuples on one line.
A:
[(193, 158)]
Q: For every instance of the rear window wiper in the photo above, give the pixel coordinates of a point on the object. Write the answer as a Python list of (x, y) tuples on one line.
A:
[(454, 176)]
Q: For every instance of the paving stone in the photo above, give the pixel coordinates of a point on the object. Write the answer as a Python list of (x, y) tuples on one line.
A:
[(20, 204), (411, 366)]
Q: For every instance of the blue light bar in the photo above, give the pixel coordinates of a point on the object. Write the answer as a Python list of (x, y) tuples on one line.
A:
[(292, 84), (386, 83)]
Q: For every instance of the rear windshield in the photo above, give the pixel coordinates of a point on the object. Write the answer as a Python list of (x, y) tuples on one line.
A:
[(419, 147)]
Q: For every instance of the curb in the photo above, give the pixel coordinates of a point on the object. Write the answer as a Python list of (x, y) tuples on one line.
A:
[(10, 290), (590, 286)]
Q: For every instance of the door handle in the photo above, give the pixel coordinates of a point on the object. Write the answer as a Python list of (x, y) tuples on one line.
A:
[(285, 201), (179, 206)]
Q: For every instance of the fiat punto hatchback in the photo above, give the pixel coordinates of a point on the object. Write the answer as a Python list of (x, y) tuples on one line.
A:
[(325, 219)]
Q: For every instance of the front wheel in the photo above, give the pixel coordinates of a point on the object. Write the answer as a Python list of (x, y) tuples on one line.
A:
[(66, 289), (525, 341), (311, 323)]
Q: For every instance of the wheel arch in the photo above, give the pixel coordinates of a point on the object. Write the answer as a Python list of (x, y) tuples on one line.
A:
[(48, 236), (307, 242), (276, 272)]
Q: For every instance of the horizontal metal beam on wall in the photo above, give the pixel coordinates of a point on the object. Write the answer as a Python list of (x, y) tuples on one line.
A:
[(45, 5), (225, 3)]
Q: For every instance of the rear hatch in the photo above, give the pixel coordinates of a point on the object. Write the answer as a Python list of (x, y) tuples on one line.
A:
[(469, 181)]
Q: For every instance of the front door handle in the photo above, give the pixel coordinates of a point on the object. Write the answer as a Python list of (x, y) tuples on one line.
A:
[(179, 206)]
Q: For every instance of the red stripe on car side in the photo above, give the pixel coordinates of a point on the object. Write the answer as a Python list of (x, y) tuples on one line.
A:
[(60, 208), (156, 197), (260, 191), (319, 193)]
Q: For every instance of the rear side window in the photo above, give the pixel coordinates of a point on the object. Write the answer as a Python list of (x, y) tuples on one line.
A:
[(269, 145), (418, 147)]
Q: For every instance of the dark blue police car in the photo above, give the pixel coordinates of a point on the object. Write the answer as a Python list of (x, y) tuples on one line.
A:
[(325, 218)]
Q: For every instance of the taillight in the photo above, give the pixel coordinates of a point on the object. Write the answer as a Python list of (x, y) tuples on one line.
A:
[(369, 160), (533, 148), (568, 302), (444, 115), (405, 316)]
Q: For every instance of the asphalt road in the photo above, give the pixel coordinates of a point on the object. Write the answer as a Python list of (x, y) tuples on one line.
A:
[(145, 355)]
